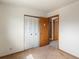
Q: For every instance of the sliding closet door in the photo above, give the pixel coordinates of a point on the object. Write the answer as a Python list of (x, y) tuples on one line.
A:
[(31, 32)]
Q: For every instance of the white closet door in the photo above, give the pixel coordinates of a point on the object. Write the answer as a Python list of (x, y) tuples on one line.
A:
[(36, 32), (31, 32), (28, 33)]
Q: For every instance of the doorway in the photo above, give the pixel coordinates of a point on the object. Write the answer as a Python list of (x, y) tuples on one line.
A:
[(54, 31)]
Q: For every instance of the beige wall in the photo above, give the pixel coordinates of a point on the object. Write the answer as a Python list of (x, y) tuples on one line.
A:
[(69, 28), (12, 28)]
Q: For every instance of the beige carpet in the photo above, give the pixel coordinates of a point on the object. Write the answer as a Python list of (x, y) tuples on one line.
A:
[(46, 52)]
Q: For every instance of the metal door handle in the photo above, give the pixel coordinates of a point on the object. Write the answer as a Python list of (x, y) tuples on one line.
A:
[(31, 34)]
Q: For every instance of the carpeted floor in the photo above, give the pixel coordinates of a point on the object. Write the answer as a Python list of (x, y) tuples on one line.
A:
[(45, 52)]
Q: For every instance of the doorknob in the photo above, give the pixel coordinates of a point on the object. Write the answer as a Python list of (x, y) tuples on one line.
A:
[(31, 34)]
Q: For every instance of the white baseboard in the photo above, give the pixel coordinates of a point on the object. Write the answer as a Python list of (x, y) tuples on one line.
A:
[(72, 54)]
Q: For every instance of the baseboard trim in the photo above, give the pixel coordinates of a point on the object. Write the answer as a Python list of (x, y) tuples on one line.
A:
[(68, 53), (11, 54), (14, 53)]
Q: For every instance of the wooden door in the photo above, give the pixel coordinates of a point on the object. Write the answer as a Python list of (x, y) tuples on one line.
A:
[(43, 31), (56, 29)]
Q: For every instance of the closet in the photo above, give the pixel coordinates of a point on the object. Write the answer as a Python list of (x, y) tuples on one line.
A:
[(35, 32), (31, 36)]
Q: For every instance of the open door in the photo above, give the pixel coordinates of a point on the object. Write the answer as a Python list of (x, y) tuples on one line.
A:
[(44, 26)]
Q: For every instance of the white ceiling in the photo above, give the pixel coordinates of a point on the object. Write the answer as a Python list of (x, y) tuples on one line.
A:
[(43, 5)]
